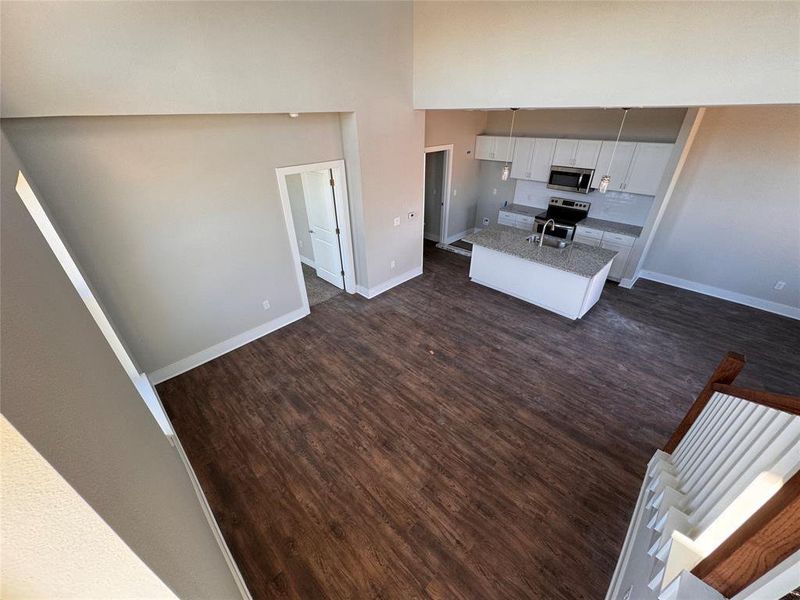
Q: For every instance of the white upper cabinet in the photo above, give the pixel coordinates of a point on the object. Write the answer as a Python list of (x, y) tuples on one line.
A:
[(504, 148), (542, 159), (647, 168), (532, 158), (577, 153), (619, 170), (484, 147), (587, 153), (638, 166), (564, 154), (523, 156), (494, 147)]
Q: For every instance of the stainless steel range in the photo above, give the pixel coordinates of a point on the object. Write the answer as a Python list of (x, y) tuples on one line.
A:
[(566, 214)]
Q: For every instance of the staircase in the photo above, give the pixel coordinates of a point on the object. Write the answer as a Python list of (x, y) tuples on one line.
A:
[(705, 522)]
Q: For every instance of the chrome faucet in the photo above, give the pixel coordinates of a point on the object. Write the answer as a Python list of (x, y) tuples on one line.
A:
[(552, 224)]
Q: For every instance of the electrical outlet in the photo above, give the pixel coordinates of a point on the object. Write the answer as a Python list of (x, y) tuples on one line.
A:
[(485, 220), (780, 285), (265, 304), (391, 265), (494, 191), (397, 221), (412, 215), (455, 192), (300, 243)]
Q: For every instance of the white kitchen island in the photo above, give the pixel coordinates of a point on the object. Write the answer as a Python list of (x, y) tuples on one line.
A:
[(567, 281)]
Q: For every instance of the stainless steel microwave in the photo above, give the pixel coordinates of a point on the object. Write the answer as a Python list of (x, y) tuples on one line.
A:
[(570, 179)]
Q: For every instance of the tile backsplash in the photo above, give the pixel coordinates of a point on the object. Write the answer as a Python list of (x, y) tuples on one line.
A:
[(612, 206)]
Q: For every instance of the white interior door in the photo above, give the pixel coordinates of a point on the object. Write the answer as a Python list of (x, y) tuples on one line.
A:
[(322, 226)]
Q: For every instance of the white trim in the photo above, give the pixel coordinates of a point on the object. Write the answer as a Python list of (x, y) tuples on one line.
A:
[(774, 307), (308, 261), (389, 284), (342, 216), (457, 236), (197, 359), (448, 179), (212, 522), (148, 393), (454, 249)]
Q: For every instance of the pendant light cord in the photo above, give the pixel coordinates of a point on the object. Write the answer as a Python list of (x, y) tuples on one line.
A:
[(619, 133), (510, 133)]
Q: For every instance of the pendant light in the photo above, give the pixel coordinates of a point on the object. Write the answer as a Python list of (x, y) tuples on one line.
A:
[(507, 167), (606, 179)]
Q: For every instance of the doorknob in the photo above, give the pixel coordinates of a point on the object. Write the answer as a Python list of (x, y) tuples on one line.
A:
[(310, 231)]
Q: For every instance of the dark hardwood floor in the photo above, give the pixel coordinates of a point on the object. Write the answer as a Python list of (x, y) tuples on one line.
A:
[(447, 441)]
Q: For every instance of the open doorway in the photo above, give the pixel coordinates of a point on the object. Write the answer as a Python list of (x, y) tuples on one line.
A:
[(438, 165), (438, 178), (318, 213)]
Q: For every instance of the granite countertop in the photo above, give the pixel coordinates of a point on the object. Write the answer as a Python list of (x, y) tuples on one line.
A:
[(576, 258), (611, 226), (601, 224), (518, 209)]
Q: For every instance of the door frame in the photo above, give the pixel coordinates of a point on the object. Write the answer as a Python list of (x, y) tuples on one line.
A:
[(342, 217), (446, 189)]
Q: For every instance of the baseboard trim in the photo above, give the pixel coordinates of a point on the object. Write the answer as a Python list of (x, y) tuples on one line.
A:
[(457, 236), (212, 522), (308, 261), (389, 284), (197, 359), (774, 307)]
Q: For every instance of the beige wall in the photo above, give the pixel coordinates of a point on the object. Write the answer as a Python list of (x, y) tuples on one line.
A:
[(596, 54), (733, 222), (176, 221), (241, 57), (641, 124), (54, 544), (494, 193), (65, 392), (459, 128)]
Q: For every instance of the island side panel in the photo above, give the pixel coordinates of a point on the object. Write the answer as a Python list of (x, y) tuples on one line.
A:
[(594, 290), (558, 291)]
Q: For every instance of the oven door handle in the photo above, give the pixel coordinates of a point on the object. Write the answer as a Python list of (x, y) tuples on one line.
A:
[(556, 225)]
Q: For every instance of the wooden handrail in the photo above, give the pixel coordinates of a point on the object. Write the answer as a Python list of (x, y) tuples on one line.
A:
[(783, 402), (766, 539), (725, 373)]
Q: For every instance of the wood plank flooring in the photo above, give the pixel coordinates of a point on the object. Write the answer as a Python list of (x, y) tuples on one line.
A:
[(447, 441)]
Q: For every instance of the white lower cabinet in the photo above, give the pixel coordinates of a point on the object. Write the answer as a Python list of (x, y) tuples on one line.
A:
[(620, 260), (619, 243), (506, 218), (511, 219), (589, 241)]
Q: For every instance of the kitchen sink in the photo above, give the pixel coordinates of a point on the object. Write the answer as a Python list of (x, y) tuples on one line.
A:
[(551, 242)]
